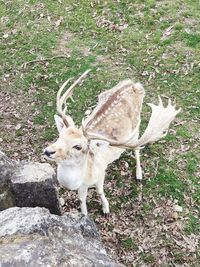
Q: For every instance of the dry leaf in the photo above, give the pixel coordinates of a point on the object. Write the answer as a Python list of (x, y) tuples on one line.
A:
[(18, 126), (58, 22), (5, 36)]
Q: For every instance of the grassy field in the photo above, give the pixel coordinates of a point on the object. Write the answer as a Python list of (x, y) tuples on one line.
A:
[(157, 43)]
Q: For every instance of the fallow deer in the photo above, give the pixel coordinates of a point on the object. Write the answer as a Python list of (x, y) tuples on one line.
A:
[(83, 153)]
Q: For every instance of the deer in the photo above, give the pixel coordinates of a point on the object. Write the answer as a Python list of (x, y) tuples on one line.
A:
[(83, 153)]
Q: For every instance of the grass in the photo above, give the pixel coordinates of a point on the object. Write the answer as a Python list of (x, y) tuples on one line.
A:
[(192, 226), (129, 244), (117, 40), (147, 258)]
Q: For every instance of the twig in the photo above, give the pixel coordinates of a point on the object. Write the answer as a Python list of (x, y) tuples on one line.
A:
[(156, 169), (92, 48), (43, 59)]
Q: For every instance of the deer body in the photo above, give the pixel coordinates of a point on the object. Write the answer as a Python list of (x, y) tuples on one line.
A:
[(88, 173), (83, 154)]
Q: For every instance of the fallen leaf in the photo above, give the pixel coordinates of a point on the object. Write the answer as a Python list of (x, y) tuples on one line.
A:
[(18, 126), (178, 208), (58, 22), (5, 36)]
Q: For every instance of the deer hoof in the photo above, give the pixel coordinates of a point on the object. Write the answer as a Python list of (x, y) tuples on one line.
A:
[(138, 181), (106, 215)]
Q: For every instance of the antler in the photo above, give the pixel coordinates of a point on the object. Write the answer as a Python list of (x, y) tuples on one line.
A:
[(61, 100), (92, 136), (157, 127), (159, 122)]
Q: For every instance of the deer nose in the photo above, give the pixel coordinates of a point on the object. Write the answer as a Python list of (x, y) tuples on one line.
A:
[(49, 153)]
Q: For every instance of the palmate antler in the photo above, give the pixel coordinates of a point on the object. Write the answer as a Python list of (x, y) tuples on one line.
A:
[(159, 122), (157, 127)]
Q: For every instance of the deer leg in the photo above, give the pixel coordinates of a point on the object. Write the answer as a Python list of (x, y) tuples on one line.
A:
[(104, 200), (138, 167), (82, 194)]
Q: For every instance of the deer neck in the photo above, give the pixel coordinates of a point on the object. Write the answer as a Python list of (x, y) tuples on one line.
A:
[(71, 175)]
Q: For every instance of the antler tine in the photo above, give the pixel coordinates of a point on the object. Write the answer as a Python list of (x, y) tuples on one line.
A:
[(61, 100), (68, 93), (58, 99)]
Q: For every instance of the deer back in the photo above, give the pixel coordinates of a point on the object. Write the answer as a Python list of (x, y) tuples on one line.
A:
[(118, 110)]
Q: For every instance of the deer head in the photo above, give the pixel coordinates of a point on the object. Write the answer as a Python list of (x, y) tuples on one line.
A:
[(71, 145)]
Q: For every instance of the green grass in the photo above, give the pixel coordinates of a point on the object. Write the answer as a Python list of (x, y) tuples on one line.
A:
[(147, 257), (166, 65), (167, 184), (192, 40), (129, 244), (193, 226)]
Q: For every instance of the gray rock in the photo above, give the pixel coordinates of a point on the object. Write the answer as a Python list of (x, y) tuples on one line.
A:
[(33, 185), (7, 168), (27, 185), (34, 237)]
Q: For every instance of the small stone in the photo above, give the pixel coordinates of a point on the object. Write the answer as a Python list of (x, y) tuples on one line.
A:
[(123, 173), (18, 126), (50, 104), (87, 112), (62, 201), (178, 208), (5, 36), (126, 164)]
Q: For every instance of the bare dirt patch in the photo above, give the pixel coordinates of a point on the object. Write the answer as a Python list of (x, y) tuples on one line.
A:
[(16, 125), (62, 47)]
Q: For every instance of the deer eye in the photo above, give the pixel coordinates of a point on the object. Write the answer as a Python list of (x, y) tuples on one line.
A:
[(77, 147)]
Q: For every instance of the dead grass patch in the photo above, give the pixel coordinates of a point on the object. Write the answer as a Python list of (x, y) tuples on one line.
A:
[(63, 44)]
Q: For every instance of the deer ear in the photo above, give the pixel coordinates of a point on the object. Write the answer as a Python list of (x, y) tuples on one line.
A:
[(59, 123)]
